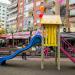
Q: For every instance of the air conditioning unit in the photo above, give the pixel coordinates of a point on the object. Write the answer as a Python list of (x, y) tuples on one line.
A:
[(64, 30)]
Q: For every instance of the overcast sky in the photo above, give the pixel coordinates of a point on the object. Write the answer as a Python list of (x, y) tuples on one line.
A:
[(5, 1)]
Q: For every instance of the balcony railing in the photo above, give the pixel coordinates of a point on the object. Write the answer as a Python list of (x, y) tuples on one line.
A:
[(14, 10), (12, 6)]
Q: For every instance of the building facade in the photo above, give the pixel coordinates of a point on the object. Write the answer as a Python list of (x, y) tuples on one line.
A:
[(3, 15), (31, 13), (28, 14), (72, 14), (16, 14), (12, 16), (24, 14), (20, 16)]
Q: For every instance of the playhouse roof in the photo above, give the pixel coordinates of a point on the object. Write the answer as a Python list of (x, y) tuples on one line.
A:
[(51, 19)]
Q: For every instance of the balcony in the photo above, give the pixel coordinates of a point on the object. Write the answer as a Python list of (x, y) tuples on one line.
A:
[(12, 22), (14, 10), (72, 19), (71, 2), (28, 7), (12, 6), (72, 13), (12, 18), (72, 6)]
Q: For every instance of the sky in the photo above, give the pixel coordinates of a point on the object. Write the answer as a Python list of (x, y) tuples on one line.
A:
[(5, 1)]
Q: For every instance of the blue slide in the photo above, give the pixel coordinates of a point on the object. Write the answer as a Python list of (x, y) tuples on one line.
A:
[(35, 40)]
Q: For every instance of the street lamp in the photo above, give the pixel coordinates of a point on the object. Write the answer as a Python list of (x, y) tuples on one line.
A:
[(12, 37)]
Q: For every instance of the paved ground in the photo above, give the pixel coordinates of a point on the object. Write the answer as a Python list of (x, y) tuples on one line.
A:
[(17, 66)]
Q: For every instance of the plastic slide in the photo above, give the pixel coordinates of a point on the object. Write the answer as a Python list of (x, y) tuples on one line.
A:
[(67, 54), (35, 40), (68, 44)]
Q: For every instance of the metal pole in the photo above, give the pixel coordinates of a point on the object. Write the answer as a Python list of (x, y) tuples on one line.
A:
[(12, 40), (55, 56), (57, 12), (67, 15), (58, 52), (42, 52)]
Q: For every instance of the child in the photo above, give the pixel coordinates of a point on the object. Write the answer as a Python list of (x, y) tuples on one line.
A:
[(46, 51)]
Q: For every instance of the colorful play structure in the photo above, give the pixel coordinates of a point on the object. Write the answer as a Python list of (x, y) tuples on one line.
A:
[(50, 36)]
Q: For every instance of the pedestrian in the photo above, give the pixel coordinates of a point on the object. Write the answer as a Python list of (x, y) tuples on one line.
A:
[(24, 53)]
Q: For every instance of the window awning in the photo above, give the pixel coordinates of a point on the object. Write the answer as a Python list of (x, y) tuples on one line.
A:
[(19, 35)]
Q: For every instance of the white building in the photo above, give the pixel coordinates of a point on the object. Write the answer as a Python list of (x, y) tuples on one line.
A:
[(72, 15), (28, 14), (3, 15), (12, 18)]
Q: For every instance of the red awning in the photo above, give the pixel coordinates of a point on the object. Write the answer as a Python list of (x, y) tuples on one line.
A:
[(19, 35), (3, 36)]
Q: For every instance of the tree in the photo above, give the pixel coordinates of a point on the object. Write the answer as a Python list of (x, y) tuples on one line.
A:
[(2, 31)]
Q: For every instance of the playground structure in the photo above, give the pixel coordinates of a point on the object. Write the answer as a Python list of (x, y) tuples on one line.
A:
[(50, 37), (50, 29)]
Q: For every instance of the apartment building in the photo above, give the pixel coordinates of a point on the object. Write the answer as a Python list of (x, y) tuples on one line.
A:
[(31, 13), (12, 16), (72, 14), (28, 14), (3, 15)]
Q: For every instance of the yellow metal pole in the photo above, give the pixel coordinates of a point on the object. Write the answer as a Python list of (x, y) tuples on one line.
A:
[(58, 32)]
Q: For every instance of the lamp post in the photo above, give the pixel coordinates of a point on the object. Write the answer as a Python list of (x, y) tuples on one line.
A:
[(31, 30), (12, 38), (67, 15)]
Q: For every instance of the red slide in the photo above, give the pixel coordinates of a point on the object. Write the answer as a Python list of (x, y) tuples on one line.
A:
[(67, 54), (68, 44)]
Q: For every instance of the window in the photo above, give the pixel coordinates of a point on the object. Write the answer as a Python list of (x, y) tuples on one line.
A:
[(72, 12), (20, 0), (71, 1), (3, 17), (3, 14), (7, 25), (29, 1), (31, 13), (3, 10), (2, 20), (3, 7)]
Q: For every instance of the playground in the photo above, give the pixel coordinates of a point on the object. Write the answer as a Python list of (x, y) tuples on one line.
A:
[(32, 67), (47, 35)]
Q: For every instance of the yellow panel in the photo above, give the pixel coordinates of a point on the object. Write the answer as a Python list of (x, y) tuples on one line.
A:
[(46, 36), (50, 35)]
